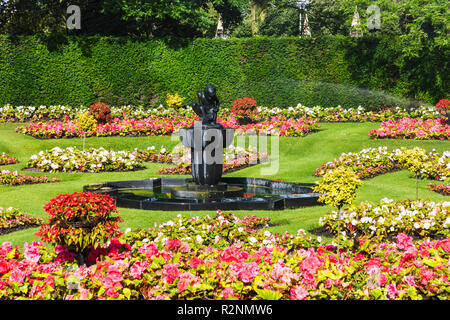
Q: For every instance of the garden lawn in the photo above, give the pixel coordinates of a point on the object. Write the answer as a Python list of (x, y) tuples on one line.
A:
[(298, 159)]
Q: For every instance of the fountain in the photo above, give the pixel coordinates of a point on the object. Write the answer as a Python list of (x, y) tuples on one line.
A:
[(207, 189)]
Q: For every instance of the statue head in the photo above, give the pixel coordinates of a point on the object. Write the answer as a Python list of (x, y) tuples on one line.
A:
[(210, 91)]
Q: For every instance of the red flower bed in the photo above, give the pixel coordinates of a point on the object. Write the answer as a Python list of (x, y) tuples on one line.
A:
[(408, 128)]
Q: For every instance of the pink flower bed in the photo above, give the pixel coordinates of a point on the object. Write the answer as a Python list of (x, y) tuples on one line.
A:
[(5, 159), (443, 189), (155, 126), (226, 257), (407, 128)]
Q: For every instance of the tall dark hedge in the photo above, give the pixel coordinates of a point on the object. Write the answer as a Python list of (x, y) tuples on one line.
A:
[(326, 71)]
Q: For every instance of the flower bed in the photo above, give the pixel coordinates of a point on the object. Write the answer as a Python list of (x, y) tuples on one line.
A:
[(12, 219), (226, 257), (389, 218), (407, 128), (371, 162), (72, 159), (367, 163), (156, 126), (443, 189), (14, 178), (235, 158), (335, 114), (5, 159)]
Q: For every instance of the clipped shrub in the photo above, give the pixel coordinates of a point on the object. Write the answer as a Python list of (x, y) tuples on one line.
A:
[(80, 222), (174, 100), (86, 121), (244, 110), (338, 187), (101, 112)]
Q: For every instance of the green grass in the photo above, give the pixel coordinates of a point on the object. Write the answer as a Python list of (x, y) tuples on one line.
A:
[(298, 159)]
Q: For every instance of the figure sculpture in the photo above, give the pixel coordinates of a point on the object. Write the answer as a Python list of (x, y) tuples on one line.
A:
[(207, 139)]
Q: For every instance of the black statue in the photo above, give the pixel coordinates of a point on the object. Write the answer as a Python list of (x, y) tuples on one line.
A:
[(208, 105), (207, 139)]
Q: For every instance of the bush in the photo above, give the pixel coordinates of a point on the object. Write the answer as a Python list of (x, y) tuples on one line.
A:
[(80, 222), (174, 100), (86, 122), (244, 110), (101, 112)]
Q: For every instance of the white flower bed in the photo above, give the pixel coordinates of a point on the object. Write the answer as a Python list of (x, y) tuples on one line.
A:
[(421, 218), (72, 159)]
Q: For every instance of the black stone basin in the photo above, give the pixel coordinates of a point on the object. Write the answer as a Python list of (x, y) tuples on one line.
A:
[(172, 194)]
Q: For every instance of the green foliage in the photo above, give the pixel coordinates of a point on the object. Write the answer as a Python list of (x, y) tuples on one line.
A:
[(281, 23), (338, 187), (326, 71)]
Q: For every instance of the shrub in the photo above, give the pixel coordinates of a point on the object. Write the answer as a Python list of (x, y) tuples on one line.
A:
[(338, 187), (101, 112), (443, 104), (80, 221), (244, 110), (86, 121), (174, 100)]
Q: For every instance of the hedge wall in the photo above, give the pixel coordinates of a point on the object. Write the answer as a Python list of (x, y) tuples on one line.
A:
[(325, 71)]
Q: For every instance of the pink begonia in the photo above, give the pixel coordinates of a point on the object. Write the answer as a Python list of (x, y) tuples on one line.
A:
[(246, 271), (186, 279), (403, 241), (4, 266), (173, 243), (137, 268), (382, 279), (31, 253), (171, 273), (298, 293), (149, 250), (410, 280), (17, 275), (185, 247), (113, 277), (84, 294), (427, 275), (227, 292), (392, 291), (5, 248), (195, 262), (281, 272), (311, 264)]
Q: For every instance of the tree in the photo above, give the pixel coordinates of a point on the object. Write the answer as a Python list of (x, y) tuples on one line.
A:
[(280, 23)]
